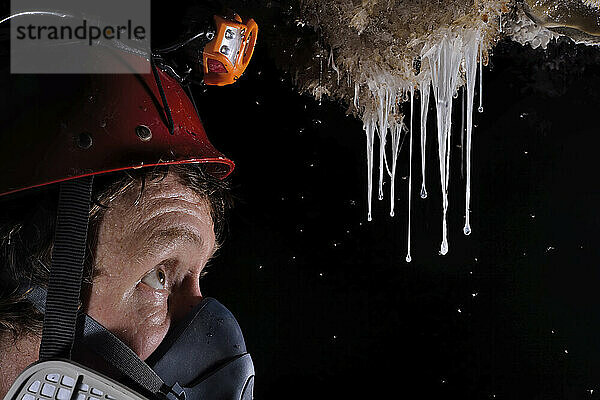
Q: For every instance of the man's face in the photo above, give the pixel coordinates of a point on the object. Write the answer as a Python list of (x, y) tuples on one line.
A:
[(148, 262)]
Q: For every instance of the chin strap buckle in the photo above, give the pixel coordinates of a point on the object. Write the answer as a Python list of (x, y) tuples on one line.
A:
[(175, 392)]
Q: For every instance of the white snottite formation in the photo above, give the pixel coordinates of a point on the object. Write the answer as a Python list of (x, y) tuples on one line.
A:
[(377, 54), (446, 65)]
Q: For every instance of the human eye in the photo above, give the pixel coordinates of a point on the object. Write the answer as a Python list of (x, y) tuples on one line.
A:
[(156, 279)]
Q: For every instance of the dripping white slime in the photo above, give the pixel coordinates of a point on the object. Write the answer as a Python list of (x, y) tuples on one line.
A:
[(410, 150), (369, 127), (424, 88), (481, 75), (396, 132), (444, 59), (384, 108), (471, 45)]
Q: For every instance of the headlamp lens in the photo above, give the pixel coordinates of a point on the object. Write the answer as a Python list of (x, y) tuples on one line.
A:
[(231, 43)]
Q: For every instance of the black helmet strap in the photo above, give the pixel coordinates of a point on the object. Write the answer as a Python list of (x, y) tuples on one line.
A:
[(66, 269)]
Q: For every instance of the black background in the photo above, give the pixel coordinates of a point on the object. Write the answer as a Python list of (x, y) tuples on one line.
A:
[(329, 307)]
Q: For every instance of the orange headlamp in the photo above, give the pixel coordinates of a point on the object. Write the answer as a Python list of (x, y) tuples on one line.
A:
[(227, 55)]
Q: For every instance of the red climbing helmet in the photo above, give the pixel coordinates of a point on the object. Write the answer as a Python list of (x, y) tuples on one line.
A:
[(61, 127)]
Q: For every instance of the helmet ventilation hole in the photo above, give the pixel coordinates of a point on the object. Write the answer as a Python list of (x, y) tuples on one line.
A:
[(84, 140), (143, 132)]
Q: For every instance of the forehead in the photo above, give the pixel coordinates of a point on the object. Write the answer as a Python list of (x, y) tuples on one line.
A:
[(144, 198), (162, 207)]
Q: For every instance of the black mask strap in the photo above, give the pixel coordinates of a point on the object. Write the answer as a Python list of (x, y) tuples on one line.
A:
[(120, 356), (102, 342)]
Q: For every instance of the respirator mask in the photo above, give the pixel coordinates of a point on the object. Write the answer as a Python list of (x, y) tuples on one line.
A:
[(202, 357)]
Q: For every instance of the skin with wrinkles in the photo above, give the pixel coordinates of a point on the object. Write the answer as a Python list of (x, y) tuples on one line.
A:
[(169, 229)]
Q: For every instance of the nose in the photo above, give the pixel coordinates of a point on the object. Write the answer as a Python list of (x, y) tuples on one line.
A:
[(184, 298)]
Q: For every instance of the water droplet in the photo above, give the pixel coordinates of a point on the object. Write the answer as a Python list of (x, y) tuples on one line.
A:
[(316, 122), (260, 267), (566, 351), (459, 310), (444, 248), (474, 294), (553, 331), (320, 274), (408, 258), (209, 334), (532, 216), (480, 109), (525, 152), (392, 213), (334, 337), (300, 131), (591, 391), (455, 95), (467, 230), (443, 380), (550, 248), (423, 192), (369, 218), (523, 115)]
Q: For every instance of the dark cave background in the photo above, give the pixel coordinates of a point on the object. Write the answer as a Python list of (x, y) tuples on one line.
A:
[(328, 305)]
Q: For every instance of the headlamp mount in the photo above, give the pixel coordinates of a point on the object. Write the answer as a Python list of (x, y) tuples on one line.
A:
[(217, 54)]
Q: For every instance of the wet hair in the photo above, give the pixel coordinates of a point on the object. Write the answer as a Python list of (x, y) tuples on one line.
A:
[(27, 225)]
